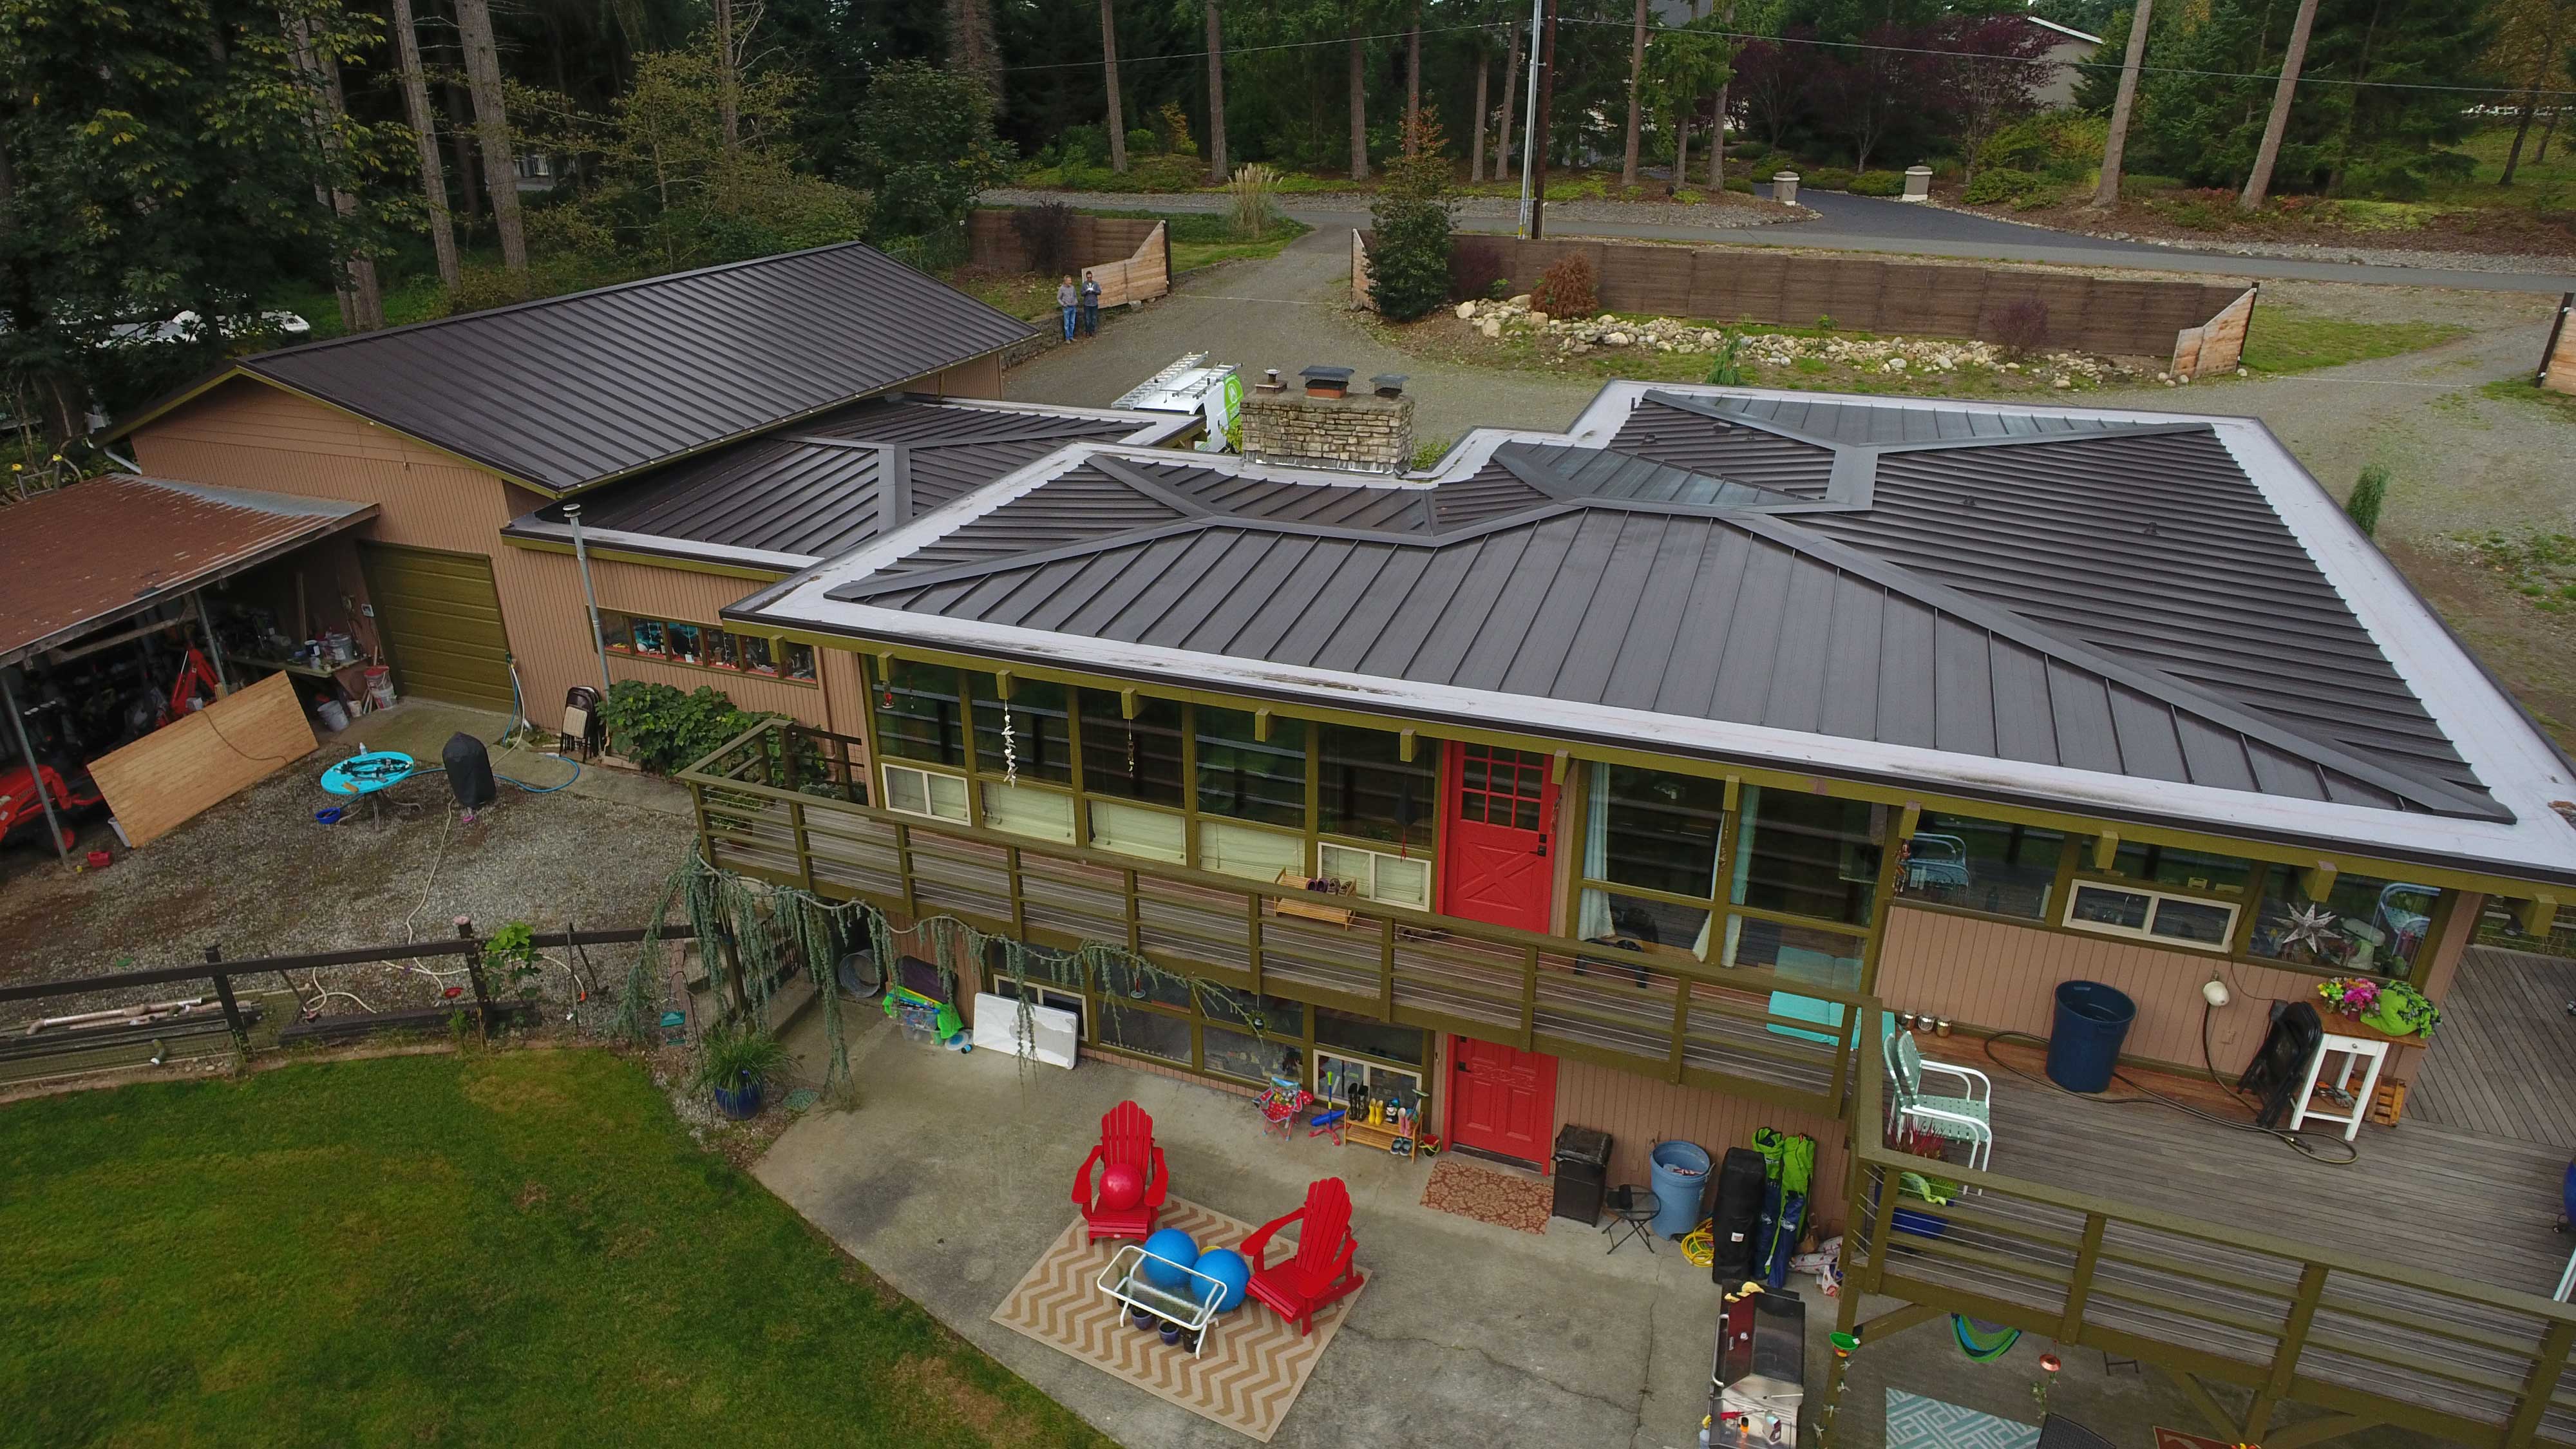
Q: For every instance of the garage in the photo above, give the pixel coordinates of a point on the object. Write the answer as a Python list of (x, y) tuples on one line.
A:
[(440, 619)]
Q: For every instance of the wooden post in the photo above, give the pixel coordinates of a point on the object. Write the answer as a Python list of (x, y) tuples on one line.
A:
[(2542, 1382), (1386, 968), (1529, 997), (474, 971), (2285, 1359), (2079, 1284), (224, 995), (804, 848)]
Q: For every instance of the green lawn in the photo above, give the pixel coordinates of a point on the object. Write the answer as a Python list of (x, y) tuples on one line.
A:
[(1203, 238), (2523, 390), (2284, 339), (520, 1247)]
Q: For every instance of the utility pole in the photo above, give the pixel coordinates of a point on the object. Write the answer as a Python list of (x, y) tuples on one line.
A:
[(1541, 112)]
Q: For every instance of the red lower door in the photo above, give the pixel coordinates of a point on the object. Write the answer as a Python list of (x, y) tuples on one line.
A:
[(1501, 1100)]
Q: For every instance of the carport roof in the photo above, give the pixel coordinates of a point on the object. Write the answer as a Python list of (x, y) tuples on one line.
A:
[(84, 556)]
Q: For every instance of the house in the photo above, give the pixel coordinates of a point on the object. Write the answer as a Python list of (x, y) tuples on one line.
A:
[(832, 382), (2062, 63), (1629, 777)]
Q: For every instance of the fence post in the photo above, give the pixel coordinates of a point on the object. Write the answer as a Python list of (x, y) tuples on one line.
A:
[(2540, 1384), (2079, 1285), (474, 971), (224, 994), (787, 756)]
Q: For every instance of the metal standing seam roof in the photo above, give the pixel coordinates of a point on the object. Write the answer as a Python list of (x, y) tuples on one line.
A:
[(570, 391), (84, 556)]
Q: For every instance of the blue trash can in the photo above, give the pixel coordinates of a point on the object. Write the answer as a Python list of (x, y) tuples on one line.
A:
[(2084, 1046), (1679, 1171)]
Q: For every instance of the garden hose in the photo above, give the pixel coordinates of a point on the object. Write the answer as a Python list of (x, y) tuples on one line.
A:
[(1699, 1245)]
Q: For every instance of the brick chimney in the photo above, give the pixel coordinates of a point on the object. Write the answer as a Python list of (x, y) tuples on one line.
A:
[(1329, 426)]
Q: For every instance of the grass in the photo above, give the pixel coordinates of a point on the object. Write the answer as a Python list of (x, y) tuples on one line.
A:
[(2524, 390), (2537, 565), (1204, 238), (2284, 339), (515, 1247)]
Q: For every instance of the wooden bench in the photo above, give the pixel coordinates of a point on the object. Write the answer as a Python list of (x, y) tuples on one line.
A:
[(1342, 916)]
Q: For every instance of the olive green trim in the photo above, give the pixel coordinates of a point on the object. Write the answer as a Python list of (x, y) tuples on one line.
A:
[(673, 562), (1897, 796), (631, 657)]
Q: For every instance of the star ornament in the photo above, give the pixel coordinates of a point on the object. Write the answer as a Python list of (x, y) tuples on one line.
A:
[(2309, 927)]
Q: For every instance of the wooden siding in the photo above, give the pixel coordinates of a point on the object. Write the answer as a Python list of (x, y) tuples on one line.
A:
[(993, 238), (249, 435), (1996, 976), (1639, 1111), (2215, 346)]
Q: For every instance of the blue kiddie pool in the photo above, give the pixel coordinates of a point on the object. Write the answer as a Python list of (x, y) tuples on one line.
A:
[(366, 774)]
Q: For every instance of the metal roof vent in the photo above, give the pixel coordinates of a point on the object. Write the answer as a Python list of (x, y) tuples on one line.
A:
[(1270, 381), (1389, 384), (1324, 381)]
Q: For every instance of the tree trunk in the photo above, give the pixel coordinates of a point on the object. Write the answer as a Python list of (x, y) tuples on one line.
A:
[(1359, 110), (362, 302), (1476, 147), (1511, 93), (1109, 73), (1413, 79), (460, 146), (2546, 132), (492, 128), (1636, 71), (1217, 169), (728, 79), (1717, 147), (1681, 152), (2521, 128), (972, 47), (2106, 192), (1539, 129), (424, 130), (2259, 184)]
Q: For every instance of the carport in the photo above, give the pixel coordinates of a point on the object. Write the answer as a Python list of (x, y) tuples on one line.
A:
[(82, 560)]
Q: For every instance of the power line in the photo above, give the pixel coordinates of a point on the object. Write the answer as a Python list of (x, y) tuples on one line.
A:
[(1232, 50)]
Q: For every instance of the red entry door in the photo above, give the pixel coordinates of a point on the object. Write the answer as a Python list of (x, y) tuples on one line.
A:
[(1496, 822), (1501, 1100)]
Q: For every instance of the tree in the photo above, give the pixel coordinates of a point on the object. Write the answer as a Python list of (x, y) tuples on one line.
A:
[(1413, 74), (1682, 68), (1411, 220), (492, 128), (353, 271), (1636, 77), (424, 129), (2258, 182), (1986, 76), (1217, 170), (973, 48), (1359, 105), (1868, 91), (1511, 93), (925, 144), (1109, 75), (1778, 80), (1476, 138), (2106, 192), (2529, 50)]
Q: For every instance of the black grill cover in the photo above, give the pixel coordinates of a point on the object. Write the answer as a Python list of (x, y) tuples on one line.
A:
[(469, 771)]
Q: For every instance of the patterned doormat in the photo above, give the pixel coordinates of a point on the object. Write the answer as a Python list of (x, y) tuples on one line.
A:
[(1915, 1422), (1250, 1371), (1487, 1196)]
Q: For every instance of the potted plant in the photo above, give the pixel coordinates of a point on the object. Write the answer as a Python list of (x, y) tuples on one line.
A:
[(736, 1064)]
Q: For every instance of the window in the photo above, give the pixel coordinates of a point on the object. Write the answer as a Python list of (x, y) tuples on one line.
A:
[(2113, 909), (1802, 953), (925, 792), (1135, 830), (1028, 810), (1367, 790), (1502, 787), (2365, 925), (1138, 759), (1658, 832), (1340, 1079), (1369, 1035), (704, 646), (1808, 855), (1983, 865), (1377, 876), (918, 714), (1250, 779), (1151, 1033), (1030, 731), (2175, 868), (1249, 851)]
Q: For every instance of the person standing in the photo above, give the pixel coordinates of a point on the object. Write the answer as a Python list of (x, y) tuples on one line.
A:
[(1090, 306), (1070, 300)]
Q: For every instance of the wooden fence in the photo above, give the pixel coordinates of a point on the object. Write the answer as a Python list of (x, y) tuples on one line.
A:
[(1861, 294), (993, 240), (1140, 276), (2558, 360)]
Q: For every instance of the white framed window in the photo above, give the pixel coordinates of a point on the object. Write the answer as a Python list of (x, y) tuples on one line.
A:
[(1135, 830), (1248, 850), (2150, 915), (1024, 810), (927, 793), (1394, 879), (1335, 1076)]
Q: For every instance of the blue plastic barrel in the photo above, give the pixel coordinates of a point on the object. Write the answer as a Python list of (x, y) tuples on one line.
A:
[(1680, 1174), (2084, 1046)]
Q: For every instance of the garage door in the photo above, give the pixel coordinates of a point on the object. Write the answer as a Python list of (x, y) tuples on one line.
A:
[(441, 622)]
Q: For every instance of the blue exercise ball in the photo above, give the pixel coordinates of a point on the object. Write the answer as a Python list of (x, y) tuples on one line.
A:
[(1226, 1266), (1166, 1248)]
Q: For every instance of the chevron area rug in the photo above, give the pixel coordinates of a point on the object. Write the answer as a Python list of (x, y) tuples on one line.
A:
[(1251, 1370), (1915, 1422)]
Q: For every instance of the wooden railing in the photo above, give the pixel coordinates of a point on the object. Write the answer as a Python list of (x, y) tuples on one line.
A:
[(2347, 1327), (1657, 1014)]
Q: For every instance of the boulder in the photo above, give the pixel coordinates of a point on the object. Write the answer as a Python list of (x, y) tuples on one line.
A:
[(1466, 310)]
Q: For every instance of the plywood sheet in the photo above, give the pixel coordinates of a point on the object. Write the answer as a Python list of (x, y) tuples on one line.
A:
[(173, 774)]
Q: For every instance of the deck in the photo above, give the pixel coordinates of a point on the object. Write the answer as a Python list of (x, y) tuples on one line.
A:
[(2421, 1199), (2506, 1063)]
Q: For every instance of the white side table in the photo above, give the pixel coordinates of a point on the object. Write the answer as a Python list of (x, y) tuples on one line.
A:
[(2364, 1051)]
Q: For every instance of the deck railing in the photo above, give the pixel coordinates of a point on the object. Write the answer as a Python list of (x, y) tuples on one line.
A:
[(1656, 1014), (2347, 1326)]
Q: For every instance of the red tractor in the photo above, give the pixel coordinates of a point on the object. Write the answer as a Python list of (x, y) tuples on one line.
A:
[(21, 813)]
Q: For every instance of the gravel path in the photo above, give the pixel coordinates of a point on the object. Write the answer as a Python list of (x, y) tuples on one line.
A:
[(2507, 263), (1734, 216)]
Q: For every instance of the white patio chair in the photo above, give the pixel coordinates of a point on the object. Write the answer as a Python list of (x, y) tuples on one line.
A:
[(1966, 1118)]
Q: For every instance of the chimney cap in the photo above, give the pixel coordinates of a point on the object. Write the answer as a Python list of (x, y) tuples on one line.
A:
[(1389, 384), (1321, 373)]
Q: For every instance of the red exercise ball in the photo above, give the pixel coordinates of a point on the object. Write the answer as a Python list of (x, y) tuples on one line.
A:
[(1122, 1186)]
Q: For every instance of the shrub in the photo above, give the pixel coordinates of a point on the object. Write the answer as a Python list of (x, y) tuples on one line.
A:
[(1476, 269), (1998, 184), (1878, 183), (1727, 370), (1173, 127), (1568, 288), (2061, 146), (2021, 326), (1046, 230), (2369, 495), (1143, 142), (924, 144), (1409, 261), (1743, 184), (663, 730), (1252, 188), (731, 1053), (1083, 146), (1829, 178), (1747, 151)]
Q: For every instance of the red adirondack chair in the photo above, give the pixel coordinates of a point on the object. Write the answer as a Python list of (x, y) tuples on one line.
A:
[(1320, 1271), (1126, 1135)]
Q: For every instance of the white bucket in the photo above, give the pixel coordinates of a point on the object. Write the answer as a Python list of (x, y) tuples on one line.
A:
[(334, 718), (380, 686)]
